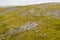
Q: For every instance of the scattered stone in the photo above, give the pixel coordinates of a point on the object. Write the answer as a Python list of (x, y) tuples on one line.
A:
[(29, 26)]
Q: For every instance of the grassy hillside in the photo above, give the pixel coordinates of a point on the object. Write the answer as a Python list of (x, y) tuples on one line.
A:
[(31, 22)]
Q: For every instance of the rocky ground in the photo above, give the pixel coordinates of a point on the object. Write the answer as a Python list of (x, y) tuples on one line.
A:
[(31, 22)]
